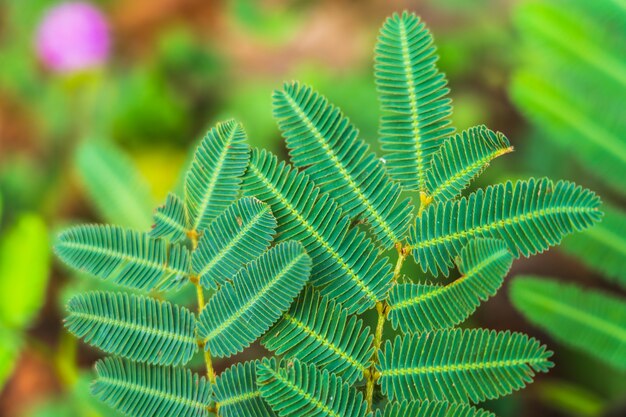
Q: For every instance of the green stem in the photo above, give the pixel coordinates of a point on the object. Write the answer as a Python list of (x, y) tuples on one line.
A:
[(208, 360), (383, 309)]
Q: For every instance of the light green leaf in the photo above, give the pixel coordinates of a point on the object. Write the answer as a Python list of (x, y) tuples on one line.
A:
[(300, 389), (114, 185), (241, 311), (325, 143), (516, 213), (239, 235), (418, 308), (413, 97), (237, 394), (214, 178), (138, 328), (24, 270), (125, 256), (140, 390), (593, 322), (459, 365)]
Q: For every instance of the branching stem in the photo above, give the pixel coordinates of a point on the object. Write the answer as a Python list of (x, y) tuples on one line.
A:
[(383, 309), (210, 371)]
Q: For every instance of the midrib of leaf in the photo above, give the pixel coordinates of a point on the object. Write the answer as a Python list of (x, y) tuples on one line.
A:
[(153, 392), (369, 208), (583, 49), (337, 350), (410, 80), (499, 225), (206, 199), (170, 220), (313, 232), (565, 111), (134, 326), (470, 274), (467, 170), (124, 257), (239, 398), (460, 367), (308, 397), (596, 322), (236, 239), (238, 313)]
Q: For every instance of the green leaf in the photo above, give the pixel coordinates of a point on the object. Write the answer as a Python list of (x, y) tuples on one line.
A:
[(424, 307), (413, 97), (9, 353), (325, 143), (141, 390), (114, 185), (236, 392), (295, 388), (459, 365), (344, 261), (603, 246), (241, 311), (129, 258), (432, 409), (24, 270), (134, 327), (593, 322), (239, 235), (530, 216), (462, 158), (170, 220), (214, 178), (317, 330)]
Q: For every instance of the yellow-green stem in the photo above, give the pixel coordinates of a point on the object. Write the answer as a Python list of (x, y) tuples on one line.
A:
[(208, 360), (383, 309)]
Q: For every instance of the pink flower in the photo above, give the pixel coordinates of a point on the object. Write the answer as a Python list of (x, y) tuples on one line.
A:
[(73, 36)]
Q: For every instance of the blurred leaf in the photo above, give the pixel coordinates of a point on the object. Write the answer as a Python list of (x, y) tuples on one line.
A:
[(9, 350), (603, 247), (573, 83), (147, 110), (24, 270), (593, 322), (114, 185), (570, 399)]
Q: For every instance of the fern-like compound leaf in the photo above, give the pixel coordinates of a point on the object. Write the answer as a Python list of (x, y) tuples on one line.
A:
[(424, 307), (324, 142), (344, 261), (603, 246), (135, 327), (462, 158), (593, 322), (413, 96), (459, 365), (141, 390), (129, 258), (170, 220), (297, 389), (432, 409), (214, 178), (530, 216), (241, 311), (236, 392), (239, 235), (318, 330)]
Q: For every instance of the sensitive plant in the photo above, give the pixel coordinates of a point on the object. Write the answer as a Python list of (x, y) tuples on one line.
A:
[(574, 95), (292, 254)]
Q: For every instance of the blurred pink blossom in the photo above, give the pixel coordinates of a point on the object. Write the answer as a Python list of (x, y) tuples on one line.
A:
[(73, 36)]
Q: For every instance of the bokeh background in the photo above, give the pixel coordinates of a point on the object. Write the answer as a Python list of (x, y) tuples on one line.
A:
[(104, 140)]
